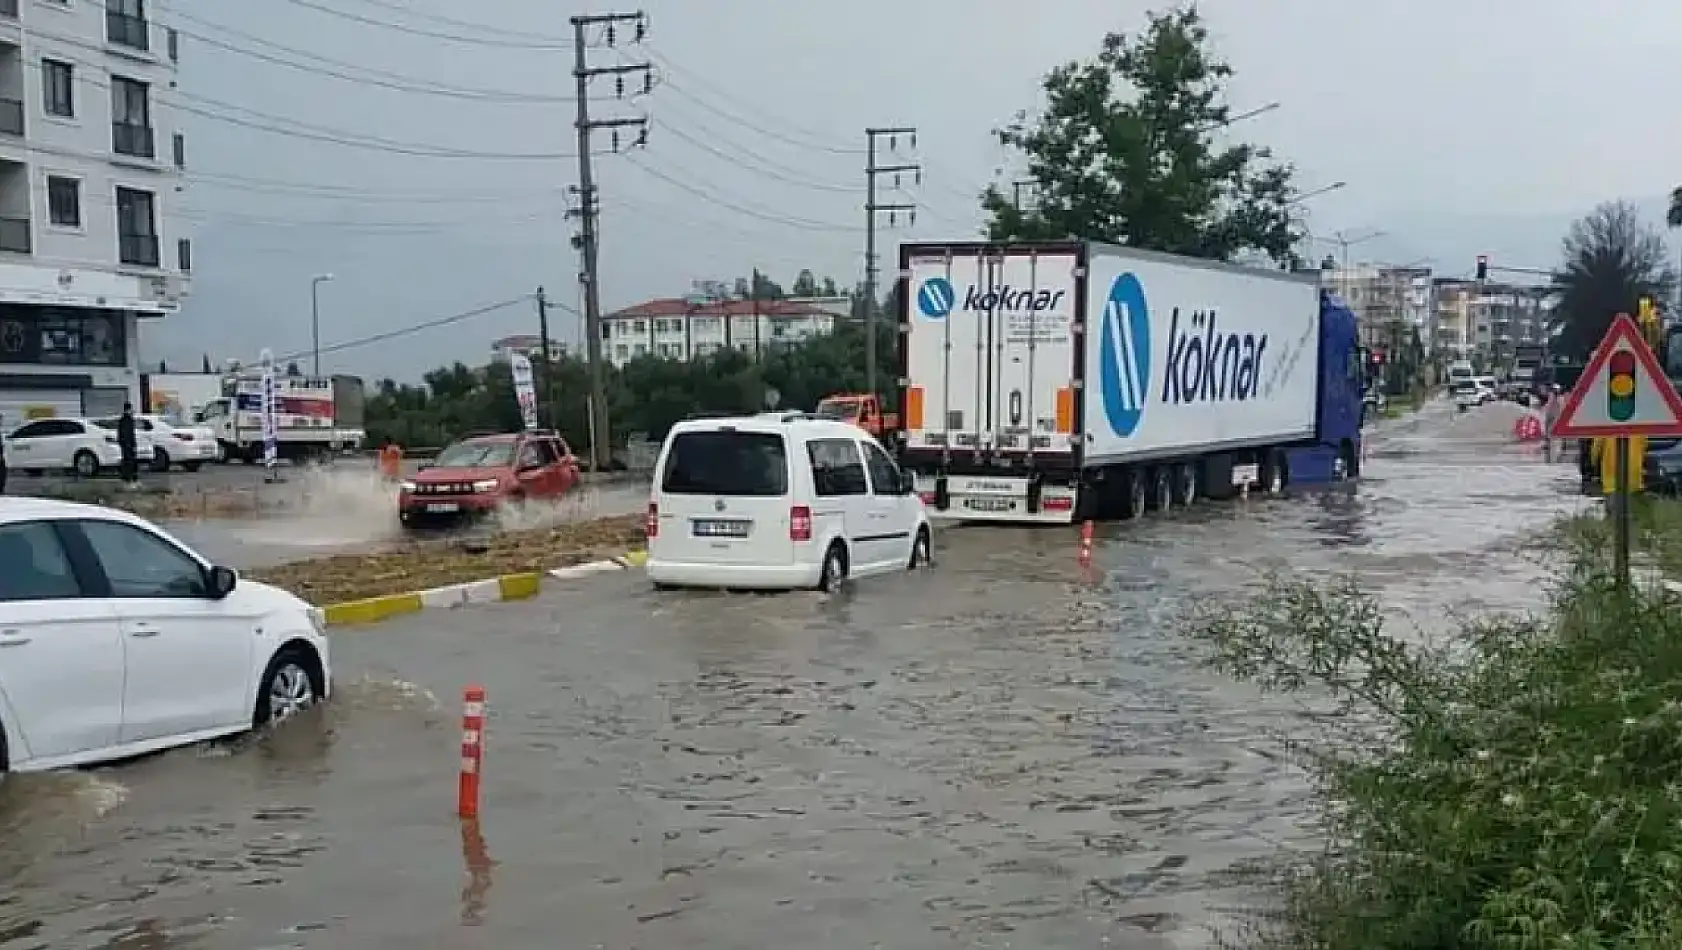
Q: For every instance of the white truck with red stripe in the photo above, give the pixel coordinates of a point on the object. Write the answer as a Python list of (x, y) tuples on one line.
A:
[(1064, 381), (315, 417)]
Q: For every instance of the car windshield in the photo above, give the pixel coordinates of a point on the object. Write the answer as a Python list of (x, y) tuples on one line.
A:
[(751, 464), (475, 455)]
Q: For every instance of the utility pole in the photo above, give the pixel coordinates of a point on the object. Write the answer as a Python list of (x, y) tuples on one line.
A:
[(589, 205), (871, 209), (758, 345), (542, 385)]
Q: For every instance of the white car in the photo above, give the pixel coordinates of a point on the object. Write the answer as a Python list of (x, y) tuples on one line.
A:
[(1471, 393), (117, 640), (172, 444), (79, 445), (777, 501)]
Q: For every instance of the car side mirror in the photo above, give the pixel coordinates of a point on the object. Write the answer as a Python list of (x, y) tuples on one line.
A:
[(907, 483), (223, 580)]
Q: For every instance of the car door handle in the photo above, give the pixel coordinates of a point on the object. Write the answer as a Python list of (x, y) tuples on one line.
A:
[(13, 637), (143, 631)]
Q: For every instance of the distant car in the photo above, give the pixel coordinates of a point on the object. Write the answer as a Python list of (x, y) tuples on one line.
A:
[(780, 501), (1471, 393), (478, 475), (188, 446), (82, 446), (117, 640), (1662, 467)]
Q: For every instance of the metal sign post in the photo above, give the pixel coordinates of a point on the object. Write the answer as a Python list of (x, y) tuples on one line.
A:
[(1622, 395), (269, 409)]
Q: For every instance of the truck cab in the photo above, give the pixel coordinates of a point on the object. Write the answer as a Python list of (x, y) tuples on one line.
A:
[(861, 409)]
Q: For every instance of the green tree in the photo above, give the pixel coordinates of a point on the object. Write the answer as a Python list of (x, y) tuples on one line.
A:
[(805, 285), (1610, 259), (1674, 216), (829, 288), (1125, 151)]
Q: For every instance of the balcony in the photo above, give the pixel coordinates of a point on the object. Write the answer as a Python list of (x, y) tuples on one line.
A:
[(138, 249), (125, 29), (132, 138), (14, 235), (11, 116)]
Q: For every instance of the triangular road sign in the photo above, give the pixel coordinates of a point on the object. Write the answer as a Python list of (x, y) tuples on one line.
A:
[(1641, 401)]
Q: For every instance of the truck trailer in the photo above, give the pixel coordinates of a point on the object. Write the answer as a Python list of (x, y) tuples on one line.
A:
[(1071, 381)]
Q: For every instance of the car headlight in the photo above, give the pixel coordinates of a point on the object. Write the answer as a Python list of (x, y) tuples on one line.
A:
[(485, 485), (408, 486), (318, 620)]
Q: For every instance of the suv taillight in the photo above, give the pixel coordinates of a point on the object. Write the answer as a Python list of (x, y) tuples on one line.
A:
[(800, 523), (652, 526)]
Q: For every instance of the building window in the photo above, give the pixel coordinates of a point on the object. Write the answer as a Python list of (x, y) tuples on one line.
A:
[(58, 88), (638, 326), (131, 118), (179, 144), (184, 255), (125, 23), (137, 231), (64, 201)]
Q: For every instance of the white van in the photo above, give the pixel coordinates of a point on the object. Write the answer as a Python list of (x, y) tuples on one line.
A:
[(779, 500)]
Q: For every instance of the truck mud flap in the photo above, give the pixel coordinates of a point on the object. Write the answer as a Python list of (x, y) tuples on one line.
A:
[(1036, 487), (942, 493)]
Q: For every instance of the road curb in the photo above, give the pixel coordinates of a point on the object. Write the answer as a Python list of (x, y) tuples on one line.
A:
[(490, 590)]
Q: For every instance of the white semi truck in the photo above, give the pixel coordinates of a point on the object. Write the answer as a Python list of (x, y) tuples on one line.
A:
[(1069, 381)]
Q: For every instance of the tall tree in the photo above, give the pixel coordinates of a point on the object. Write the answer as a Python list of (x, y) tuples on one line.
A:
[(1125, 151), (1674, 217), (805, 284), (1610, 259)]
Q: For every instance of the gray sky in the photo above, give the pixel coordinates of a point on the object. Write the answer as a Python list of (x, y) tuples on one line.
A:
[(1460, 129)]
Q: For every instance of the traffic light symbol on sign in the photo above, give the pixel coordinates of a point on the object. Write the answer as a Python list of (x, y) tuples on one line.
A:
[(1620, 386)]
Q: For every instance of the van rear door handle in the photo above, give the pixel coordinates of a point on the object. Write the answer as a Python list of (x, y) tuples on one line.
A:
[(13, 637)]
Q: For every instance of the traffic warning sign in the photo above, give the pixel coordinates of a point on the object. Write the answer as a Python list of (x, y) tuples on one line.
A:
[(1623, 391)]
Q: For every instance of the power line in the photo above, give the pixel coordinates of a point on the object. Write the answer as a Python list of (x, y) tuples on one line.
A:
[(417, 31), (363, 195), (467, 25), (814, 141), (803, 224), (413, 328), (335, 68), (754, 163)]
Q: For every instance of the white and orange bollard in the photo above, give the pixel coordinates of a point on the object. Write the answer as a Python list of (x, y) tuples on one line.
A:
[(1085, 552), (472, 751)]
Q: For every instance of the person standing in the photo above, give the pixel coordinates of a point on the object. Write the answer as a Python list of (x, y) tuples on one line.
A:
[(130, 469)]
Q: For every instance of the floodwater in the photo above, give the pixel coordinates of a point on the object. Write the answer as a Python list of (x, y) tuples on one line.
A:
[(1003, 751)]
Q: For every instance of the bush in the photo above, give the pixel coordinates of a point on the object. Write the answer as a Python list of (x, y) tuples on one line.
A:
[(1520, 787)]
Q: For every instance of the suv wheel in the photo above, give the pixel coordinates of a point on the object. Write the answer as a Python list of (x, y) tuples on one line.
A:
[(922, 550), (86, 463)]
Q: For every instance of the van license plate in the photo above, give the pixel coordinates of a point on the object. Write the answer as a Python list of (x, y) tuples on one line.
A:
[(989, 504), (442, 509), (722, 529)]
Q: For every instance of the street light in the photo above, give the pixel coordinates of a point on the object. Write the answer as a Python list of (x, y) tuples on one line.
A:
[(315, 320), (1307, 195)]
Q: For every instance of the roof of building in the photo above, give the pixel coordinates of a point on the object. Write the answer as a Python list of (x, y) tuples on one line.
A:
[(520, 339), (683, 307)]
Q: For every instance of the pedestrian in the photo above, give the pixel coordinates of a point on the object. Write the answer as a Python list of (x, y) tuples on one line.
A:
[(130, 469)]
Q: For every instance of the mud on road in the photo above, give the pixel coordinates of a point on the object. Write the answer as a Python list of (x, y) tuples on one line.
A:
[(1003, 751)]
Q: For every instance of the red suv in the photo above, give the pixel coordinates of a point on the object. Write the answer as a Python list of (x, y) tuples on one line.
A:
[(477, 475)]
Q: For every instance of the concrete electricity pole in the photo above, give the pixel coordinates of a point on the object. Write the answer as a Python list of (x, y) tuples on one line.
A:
[(871, 209), (589, 207)]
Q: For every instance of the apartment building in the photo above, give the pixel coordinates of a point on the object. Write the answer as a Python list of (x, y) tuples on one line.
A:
[(1483, 321), (91, 238), (1393, 304), (529, 345), (680, 328)]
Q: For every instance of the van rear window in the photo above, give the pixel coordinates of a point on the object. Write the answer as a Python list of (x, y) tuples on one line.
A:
[(753, 464)]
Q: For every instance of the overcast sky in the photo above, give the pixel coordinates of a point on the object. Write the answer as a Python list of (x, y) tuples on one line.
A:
[(1460, 128)]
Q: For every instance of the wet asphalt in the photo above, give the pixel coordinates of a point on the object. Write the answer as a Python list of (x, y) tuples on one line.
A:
[(1004, 751)]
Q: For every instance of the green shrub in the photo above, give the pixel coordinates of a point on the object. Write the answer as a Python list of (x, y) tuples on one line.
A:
[(1518, 787)]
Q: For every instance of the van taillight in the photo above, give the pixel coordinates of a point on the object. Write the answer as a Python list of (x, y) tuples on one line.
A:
[(652, 526), (800, 523)]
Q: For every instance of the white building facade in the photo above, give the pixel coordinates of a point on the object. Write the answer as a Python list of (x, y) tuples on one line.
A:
[(92, 240), (680, 329)]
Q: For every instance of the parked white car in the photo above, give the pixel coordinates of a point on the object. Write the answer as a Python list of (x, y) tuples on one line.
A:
[(79, 445), (117, 640), (780, 500), (184, 445)]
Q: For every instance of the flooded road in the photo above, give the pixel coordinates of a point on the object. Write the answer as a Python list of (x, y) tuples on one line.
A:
[(1003, 751)]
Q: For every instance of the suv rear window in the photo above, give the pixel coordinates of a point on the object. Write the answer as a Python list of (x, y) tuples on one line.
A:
[(751, 464)]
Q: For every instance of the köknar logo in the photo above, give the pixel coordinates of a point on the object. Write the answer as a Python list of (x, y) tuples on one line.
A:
[(1204, 363), (936, 297), (1124, 362)]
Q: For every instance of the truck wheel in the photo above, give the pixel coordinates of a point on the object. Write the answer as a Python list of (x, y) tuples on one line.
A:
[(1274, 474), (1185, 485), (1162, 488), (1137, 496), (160, 460), (1348, 462)]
